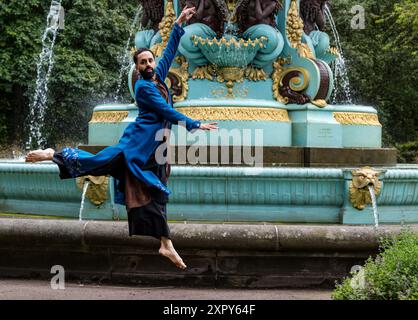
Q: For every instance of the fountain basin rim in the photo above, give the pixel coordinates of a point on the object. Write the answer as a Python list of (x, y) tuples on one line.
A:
[(269, 237), (115, 107), (230, 103), (332, 108), (279, 172)]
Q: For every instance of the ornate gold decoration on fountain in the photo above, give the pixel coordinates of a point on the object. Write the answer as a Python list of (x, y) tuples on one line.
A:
[(296, 83), (97, 189), (204, 72), (230, 75), (224, 42), (165, 26), (277, 76), (181, 75), (319, 103), (357, 118), (359, 191), (231, 5), (108, 116), (235, 113), (255, 74), (334, 51), (294, 31)]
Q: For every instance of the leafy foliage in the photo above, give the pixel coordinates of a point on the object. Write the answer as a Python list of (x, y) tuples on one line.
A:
[(392, 275), (382, 62), (86, 65)]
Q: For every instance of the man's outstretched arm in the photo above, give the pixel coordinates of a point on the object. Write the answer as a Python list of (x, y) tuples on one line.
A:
[(149, 97), (173, 43)]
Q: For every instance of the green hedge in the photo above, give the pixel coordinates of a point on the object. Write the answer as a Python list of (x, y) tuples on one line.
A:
[(408, 152), (392, 275)]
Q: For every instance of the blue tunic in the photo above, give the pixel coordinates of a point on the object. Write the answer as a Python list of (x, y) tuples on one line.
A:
[(138, 142)]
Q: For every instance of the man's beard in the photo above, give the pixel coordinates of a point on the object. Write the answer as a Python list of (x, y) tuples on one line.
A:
[(146, 74)]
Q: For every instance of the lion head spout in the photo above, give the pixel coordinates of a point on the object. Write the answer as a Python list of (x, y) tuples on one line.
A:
[(359, 186)]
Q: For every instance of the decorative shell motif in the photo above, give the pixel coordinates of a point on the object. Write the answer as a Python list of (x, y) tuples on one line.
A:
[(97, 189), (359, 191)]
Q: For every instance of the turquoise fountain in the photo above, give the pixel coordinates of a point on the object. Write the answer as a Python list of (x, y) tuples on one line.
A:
[(282, 154)]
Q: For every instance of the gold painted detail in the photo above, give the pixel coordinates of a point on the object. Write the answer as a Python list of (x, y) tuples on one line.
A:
[(359, 192), (305, 52), (132, 51), (230, 75), (334, 51), (97, 189), (357, 118), (235, 113), (109, 116), (231, 5), (294, 31), (165, 26), (297, 83), (182, 75), (277, 78), (241, 43), (203, 72), (319, 103), (255, 74)]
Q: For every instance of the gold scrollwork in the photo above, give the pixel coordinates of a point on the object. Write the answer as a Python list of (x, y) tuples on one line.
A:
[(165, 27), (357, 118), (297, 83), (235, 113), (97, 189), (359, 191), (108, 116), (277, 77), (182, 75)]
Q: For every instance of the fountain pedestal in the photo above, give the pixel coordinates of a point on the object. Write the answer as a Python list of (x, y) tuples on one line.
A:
[(307, 147)]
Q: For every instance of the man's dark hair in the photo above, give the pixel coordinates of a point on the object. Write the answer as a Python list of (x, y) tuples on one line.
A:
[(139, 51)]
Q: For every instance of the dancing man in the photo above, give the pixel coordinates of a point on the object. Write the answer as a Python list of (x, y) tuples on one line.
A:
[(140, 175)]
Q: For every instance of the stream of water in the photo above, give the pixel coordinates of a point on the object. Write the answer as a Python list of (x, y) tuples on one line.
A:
[(43, 69), (375, 213), (83, 197), (124, 57), (341, 80)]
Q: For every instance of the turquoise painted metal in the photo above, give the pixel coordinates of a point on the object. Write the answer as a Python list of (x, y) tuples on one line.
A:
[(230, 194), (297, 66)]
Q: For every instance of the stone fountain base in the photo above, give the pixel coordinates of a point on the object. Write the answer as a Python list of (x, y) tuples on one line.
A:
[(279, 156), (217, 255)]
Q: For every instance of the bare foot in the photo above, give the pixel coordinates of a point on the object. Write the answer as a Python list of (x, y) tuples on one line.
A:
[(40, 155), (172, 254)]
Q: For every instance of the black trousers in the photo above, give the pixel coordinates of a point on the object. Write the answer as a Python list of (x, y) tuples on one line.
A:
[(148, 220), (151, 219)]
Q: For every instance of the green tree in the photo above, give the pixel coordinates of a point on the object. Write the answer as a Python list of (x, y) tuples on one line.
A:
[(86, 65), (382, 62)]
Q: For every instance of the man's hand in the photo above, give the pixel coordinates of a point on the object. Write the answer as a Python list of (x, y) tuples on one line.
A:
[(185, 15), (208, 126)]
